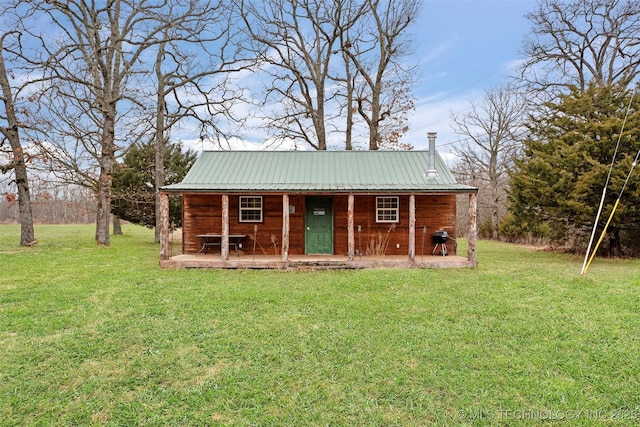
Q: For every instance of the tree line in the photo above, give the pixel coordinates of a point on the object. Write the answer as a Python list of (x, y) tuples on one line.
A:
[(51, 204)]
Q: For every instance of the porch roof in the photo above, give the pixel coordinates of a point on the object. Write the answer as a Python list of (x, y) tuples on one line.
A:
[(317, 171)]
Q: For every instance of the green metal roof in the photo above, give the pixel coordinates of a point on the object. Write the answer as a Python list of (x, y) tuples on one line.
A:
[(317, 171)]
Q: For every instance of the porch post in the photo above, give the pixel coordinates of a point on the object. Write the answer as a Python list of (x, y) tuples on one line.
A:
[(224, 239), (285, 228), (165, 249), (473, 227), (351, 240), (412, 228)]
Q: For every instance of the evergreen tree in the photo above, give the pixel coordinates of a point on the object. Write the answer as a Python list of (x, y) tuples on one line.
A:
[(557, 185), (133, 182)]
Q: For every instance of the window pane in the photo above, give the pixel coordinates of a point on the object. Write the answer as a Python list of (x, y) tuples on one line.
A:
[(250, 215), (387, 209), (250, 209), (251, 202)]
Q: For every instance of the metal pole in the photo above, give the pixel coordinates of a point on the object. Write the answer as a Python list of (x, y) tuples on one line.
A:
[(255, 239), (359, 241)]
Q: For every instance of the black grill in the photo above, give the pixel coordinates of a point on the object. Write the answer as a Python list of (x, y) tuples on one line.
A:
[(440, 236)]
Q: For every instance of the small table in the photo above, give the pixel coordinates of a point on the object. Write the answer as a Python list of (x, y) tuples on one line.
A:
[(216, 240)]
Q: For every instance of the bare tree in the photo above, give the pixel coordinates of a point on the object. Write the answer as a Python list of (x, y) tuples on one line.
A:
[(10, 127), (382, 42), (296, 40), (190, 88), (348, 77), (163, 79), (492, 131), (578, 41), (94, 57), (92, 61), (329, 60)]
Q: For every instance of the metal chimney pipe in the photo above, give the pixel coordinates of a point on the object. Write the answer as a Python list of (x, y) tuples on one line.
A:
[(432, 172)]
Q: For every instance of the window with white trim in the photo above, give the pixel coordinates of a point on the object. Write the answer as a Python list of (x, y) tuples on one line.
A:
[(250, 208), (387, 209)]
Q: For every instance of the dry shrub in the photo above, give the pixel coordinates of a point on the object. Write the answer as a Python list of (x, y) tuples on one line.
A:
[(379, 242)]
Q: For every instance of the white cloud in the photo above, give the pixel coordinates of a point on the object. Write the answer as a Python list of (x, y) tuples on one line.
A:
[(430, 54), (239, 144), (434, 115)]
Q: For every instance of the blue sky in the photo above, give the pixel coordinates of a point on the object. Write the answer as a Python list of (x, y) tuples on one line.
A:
[(463, 48)]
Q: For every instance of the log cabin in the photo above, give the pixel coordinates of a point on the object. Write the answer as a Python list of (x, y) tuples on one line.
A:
[(317, 209)]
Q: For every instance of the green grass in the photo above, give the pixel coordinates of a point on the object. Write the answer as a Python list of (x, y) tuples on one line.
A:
[(101, 336)]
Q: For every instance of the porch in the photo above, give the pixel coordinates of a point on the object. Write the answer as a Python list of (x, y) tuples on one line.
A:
[(313, 262), (355, 257)]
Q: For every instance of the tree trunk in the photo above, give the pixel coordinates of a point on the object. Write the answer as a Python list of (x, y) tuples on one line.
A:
[(349, 125), (495, 222), (27, 233), (318, 121), (495, 189), (117, 226), (374, 125), (615, 245), (350, 88), (103, 212), (159, 137), (107, 159), (11, 132)]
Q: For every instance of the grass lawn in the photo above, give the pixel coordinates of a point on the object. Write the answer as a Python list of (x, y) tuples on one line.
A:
[(101, 336)]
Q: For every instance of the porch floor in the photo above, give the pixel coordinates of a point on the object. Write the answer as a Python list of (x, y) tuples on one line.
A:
[(320, 262)]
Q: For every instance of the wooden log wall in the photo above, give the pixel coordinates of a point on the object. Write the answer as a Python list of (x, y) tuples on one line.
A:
[(433, 211), (202, 213)]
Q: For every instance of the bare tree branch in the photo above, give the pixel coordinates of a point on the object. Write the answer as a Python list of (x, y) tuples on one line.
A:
[(572, 43)]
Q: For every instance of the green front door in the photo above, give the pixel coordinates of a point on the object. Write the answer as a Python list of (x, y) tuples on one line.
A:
[(318, 236)]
